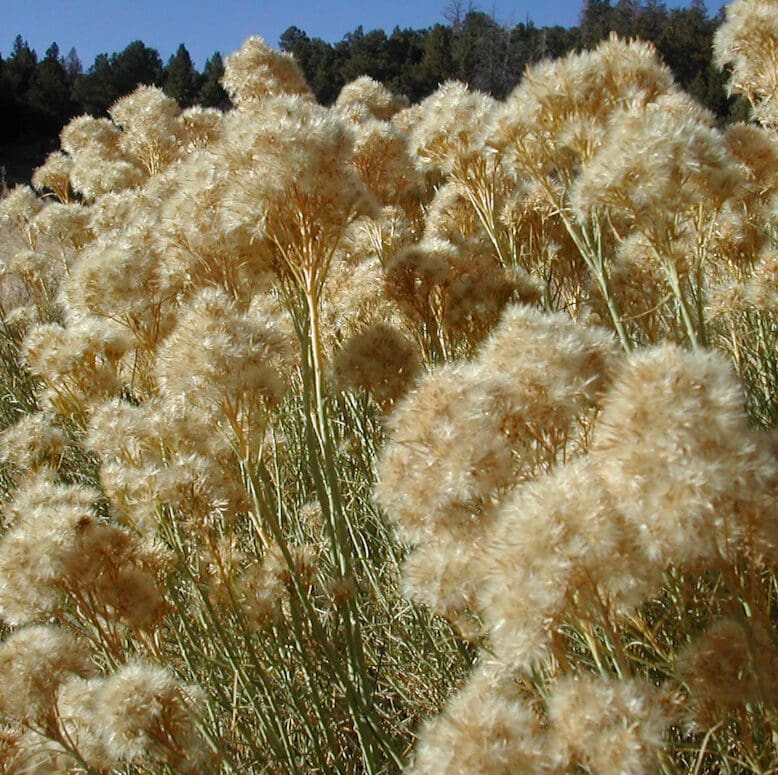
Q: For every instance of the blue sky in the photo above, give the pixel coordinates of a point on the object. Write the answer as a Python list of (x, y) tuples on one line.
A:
[(95, 26)]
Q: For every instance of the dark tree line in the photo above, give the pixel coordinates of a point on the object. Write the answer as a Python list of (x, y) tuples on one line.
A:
[(486, 55), (38, 96)]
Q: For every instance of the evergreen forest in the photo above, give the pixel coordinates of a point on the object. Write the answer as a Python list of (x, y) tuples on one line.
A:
[(39, 95)]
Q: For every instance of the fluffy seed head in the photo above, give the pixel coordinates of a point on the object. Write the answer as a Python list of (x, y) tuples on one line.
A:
[(449, 127), (609, 725), (258, 71), (483, 729), (746, 42), (673, 447), (142, 714), (381, 360), (34, 662), (54, 175), (367, 94)]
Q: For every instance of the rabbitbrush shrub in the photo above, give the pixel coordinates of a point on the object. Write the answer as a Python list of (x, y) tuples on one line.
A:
[(379, 437)]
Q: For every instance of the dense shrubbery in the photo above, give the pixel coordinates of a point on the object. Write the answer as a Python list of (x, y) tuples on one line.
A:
[(366, 437)]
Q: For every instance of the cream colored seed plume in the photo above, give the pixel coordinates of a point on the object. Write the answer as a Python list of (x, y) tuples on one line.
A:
[(747, 43), (608, 725), (539, 128), (365, 97), (34, 662), (557, 545), (448, 455), (681, 163), (449, 127), (384, 163), (140, 714), (151, 131), (674, 448), (483, 729), (471, 431), (54, 175), (32, 442), (258, 71)]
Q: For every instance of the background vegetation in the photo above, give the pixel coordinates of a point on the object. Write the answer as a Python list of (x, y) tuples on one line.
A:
[(39, 94)]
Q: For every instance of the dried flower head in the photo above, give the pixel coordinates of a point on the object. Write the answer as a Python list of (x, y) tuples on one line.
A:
[(56, 548), (608, 725), (79, 362), (150, 128), (449, 127), (54, 175), (142, 715), (18, 208), (93, 175), (85, 131), (292, 187), (674, 448), (762, 287), (34, 662), (448, 455), (223, 359), (757, 149), (450, 216), (731, 664), (682, 163), (67, 224), (366, 97), (200, 127), (384, 163), (746, 42), (258, 71), (565, 368), (443, 573), (557, 545), (483, 729), (379, 359), (32, 442), (554, 119)]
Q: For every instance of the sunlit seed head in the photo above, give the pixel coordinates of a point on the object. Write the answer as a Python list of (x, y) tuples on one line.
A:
[(449, 126), (674, 448), (54, 175), (93, 175), (200, 126), (19, 206), (84, 132), (446, 456), (33, 441), (746, 43), (607, 724), (34, 662), (365, 92), (257, 71), (483, 729), (143, 714)]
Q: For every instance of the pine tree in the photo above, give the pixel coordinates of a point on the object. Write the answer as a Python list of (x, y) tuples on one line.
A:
[(20, 67), (72, 65), (212, 94), (182, 81), (49, 90), (597, 20)]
